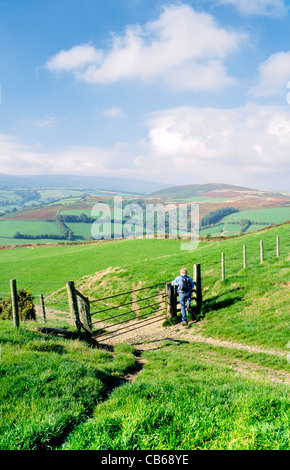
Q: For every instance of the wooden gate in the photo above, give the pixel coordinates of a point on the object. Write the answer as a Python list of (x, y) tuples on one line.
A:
[(121, 313)]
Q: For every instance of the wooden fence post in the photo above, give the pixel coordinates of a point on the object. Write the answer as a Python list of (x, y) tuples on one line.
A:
[(223, 266), (42, 308), (171, 301), (73, 304), (15, 313), (261, 251), (84, 312), (278, 247), (244, 256), (198, 289)]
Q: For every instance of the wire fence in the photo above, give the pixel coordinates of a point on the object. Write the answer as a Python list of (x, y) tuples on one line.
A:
[(143, 312)]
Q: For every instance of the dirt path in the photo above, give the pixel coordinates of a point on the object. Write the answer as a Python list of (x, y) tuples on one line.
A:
[(150, 337), (154, 336)]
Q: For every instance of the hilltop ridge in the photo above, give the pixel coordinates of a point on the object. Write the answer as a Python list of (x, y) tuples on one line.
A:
[(212, 190)]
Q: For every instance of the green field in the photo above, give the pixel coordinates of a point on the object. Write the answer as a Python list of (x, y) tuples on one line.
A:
[(87, 212), (231, 229), (27, 227), (62, 394), (80, 230), (230, 225), (269, 216)]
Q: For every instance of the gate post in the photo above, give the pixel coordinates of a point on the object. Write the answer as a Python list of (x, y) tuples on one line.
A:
[(171, 301), (73, 304), (84, 312), (198, 289)]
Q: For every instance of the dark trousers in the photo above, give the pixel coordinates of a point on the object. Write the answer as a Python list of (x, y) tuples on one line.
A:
[(185, 301)]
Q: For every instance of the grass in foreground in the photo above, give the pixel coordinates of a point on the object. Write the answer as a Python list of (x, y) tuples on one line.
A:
[(49, 385), (188, 397)]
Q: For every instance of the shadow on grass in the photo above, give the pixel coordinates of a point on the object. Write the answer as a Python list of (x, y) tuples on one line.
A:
[(224, 300)]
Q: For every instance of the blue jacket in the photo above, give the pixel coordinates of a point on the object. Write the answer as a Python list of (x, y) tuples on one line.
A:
[(177, 282)]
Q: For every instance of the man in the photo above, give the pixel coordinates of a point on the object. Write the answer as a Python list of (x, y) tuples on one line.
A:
[(185, 285)]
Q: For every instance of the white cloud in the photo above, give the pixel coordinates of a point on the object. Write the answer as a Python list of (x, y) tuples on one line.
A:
[(16, 157), (113, 112), (21, 159), (247, 146), (75, 58), (182, 48), (258, 7), (274, 74), (41, 123)]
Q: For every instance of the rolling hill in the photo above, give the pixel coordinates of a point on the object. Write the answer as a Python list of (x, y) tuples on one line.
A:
[(44, 204), (212, 197)]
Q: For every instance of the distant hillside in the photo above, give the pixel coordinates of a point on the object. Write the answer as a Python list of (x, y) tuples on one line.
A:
[(80, 182), (212, 197), (210, 190)]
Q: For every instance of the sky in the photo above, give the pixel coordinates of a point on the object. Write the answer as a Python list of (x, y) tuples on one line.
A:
[(176, 92)]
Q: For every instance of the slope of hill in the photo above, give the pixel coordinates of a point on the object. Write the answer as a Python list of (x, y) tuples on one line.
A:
[(196, 190), (221, 383), (211, 190), (120, 264), (211, 197)]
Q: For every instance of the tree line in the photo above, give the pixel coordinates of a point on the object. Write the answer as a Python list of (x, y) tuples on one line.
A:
[(216, 216)]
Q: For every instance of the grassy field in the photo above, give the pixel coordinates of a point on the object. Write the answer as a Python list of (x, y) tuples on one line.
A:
[(260, 218), (189, 395), (270, 216), (8, 228), (27, 227)]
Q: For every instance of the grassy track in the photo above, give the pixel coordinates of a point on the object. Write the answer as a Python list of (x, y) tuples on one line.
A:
[(188, 397)]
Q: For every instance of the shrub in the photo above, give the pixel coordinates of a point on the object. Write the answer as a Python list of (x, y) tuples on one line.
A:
[(26, 307)]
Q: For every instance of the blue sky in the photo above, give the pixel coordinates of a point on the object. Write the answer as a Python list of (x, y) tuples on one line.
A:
[(186, 92)]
